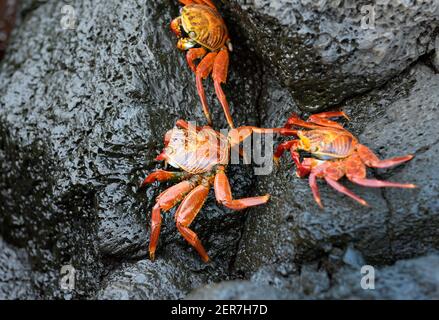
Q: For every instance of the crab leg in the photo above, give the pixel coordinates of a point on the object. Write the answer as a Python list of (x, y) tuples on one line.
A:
[(219, 75), (165, 201), (356, 172), (240, 134), (186, 213), (322, 119), (340, 188), (223, 194), (288, 145), (282, 147), (194, 54), (203, 70), (187, 125), (375, 183), (371, 160), (314, 188), (331, 172), (162, 175), (294, 120)]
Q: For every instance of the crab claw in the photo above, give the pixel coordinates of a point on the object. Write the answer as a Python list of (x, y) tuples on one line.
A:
[(175, 27), (161, 157), (185, 44)]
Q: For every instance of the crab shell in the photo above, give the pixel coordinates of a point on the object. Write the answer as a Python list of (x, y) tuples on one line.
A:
[(205, 26), (328, 143), (196, 152)]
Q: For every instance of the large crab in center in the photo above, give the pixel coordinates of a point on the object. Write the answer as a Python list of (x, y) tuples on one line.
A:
[(203, 34), (203, 155)]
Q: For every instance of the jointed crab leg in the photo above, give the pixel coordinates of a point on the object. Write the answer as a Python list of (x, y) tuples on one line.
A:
[(162, 175), (294, 120), (331, 172), (194, 54), (166, 201), (219, 75), (371, 160), (186, 213), (216, 63), (341, 188), (240, 134), (186, 125), (318, 120), (323, 118), (356, 172), (204, 68), (223, 194), (314, 188)]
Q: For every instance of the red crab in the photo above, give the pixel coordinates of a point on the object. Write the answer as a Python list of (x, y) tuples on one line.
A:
[(202, 32), (337, 153), (203, 155)]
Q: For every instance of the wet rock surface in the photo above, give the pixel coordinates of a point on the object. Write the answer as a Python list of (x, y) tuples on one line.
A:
[(400, 118), (14, 273), (407, 279), (327, 51), (83, 112), (149, 280), (8, 11), (240, 290)]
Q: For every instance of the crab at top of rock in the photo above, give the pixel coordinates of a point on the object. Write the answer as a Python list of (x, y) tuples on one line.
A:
[(202, 32), (203, 154), (338, 154)]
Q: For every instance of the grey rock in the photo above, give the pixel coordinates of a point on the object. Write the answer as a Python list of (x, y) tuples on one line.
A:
[(410, 125), (406, 279), (327, 51), (15, 273), (239, 290), (146, 280), (397, 119), (435, 58), (353, 257), (8, 11)]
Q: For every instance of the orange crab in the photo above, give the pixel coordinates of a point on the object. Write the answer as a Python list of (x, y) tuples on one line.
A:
[(202, 32), (338, 154), (203, 155)]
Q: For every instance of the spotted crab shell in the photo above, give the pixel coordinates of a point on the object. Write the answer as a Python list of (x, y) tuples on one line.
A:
[(205, 26), (329, 143)]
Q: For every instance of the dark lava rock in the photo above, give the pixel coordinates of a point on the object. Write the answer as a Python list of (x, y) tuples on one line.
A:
[(8, 11), (407, 279), (435, 57), (327, 51), (83, 113), (398, 119), (147, 280), (239, 290), (15, 274)]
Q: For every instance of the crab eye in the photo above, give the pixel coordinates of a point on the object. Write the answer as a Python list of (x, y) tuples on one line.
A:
[(192, 35), (181, 10)]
